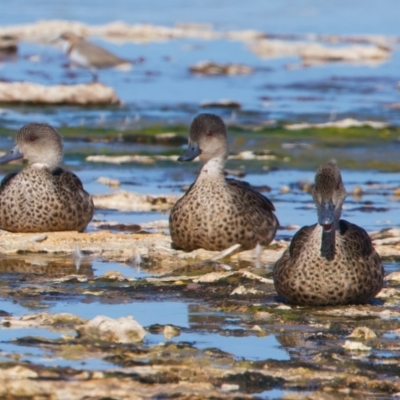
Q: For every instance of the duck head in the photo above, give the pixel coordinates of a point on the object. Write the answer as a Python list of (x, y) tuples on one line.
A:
[(329, 194), (207, 139), (39, 144)]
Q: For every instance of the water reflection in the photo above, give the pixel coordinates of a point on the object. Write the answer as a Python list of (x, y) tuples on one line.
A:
[(44, 265), (49, 266), (224, 331), (201, 317)]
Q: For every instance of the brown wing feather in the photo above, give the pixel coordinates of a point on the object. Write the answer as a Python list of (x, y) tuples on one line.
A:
[(359, 243), (357, 238), (299, 240), (70, 180), (242, 187), (6, 180)]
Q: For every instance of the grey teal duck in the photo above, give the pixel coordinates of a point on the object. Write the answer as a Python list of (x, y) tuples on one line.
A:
[(216, 213), (42, 197), (332, 262)]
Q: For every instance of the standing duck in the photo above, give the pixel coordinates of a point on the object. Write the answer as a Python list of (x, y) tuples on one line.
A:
[(332, 262), (42, 197), (216, 213)]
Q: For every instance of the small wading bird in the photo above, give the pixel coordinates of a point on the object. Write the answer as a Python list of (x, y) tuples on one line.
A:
[(216, 213), (332, 262), (42, 197), (87, 55)]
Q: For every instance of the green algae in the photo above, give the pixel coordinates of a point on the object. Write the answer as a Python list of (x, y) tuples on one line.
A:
[(356, 148), (328, 134)]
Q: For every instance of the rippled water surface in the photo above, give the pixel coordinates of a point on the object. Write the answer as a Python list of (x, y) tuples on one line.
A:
[(162, 90), (161, 87)]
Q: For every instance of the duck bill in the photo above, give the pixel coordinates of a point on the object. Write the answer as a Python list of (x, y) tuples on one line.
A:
[(191, 153), (13, 154), (327, 215)]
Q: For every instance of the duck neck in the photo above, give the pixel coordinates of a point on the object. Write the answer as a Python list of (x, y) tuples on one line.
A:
[(212, 168), (51, 162), (328, 243)]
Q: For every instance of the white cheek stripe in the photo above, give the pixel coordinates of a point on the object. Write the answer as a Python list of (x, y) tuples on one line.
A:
[(40, 165)]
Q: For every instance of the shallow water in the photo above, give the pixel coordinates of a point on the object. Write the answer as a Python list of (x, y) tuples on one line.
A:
[(162, 90), (201, 326), (203, 329), (287, 16), (376, 209)]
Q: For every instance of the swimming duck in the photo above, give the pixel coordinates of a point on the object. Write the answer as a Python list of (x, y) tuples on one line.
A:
[(42, 197), (332, 262), (216, 213)]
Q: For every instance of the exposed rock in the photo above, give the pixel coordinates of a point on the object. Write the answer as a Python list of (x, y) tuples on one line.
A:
[(263, 315), (379, 40), (223, 103), (125, 247), (244, 155), (123, 200), (118, 31), (343, 123), (17, 372), (245, 36), (45, 31), (267, 48), (212, 68), (171, 331), (355, 346), (114, 276), (317, 53), (391, 295), (213, 277), (44, 319), (362, 311), (120, 247), (122, 330), (240, 173), (226, 387), (109, 182), (285, 189), (252, 155), (8, 45), (362, 332), (245, 291), (129, 159), (394, 276), (311, 52), (357, 191), (83, 94), (120, 387)]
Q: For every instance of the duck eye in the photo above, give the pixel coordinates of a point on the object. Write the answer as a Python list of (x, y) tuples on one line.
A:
[(32, 138), (209, 133)]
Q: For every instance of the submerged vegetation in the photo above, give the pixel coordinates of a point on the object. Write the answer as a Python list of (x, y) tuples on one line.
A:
[(353, 148)]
